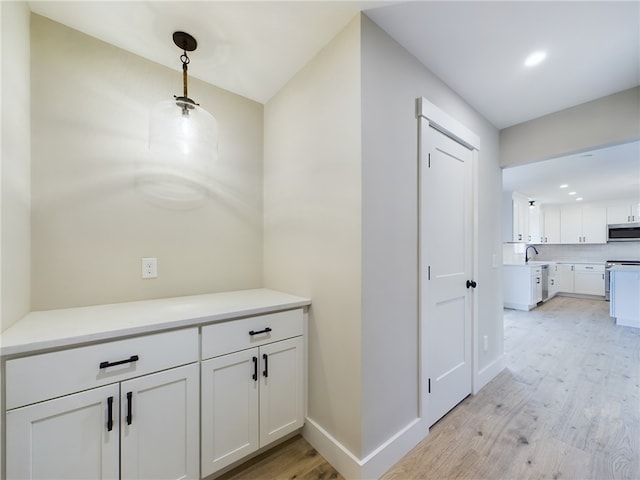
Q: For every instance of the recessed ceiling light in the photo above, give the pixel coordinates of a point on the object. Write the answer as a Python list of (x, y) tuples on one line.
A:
[(535, 58), (579, 199), (572, 193), (564, 185)]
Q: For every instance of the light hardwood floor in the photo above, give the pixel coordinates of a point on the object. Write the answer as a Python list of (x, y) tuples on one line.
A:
[(566, 407)]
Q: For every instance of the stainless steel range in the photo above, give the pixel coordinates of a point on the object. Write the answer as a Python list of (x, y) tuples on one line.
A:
[(607, 273)]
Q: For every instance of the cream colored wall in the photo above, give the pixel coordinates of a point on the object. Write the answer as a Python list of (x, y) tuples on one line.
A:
[(609, 120), (15, 187), (91, 223), (312, 205), (391, 81)]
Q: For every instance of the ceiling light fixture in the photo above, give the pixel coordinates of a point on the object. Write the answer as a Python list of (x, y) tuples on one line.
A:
[(183, 137), (564, 185), (572, 193), (535, 58), (579, 199)]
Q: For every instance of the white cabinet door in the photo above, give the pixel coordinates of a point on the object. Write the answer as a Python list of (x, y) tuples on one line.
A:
[(535, 225), (589, 283), (564, 278), (586, 224), (551, 230), (619, 214), (520, 218), (67, 438), (594, 225), (624, 213), (571, 225), (229, 421), (536, 286), (281, 389), (159, 425)]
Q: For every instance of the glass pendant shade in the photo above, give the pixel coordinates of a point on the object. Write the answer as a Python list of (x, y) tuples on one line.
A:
[(183, 140)]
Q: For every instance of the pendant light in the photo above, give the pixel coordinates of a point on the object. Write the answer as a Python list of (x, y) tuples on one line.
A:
[(183, 137)]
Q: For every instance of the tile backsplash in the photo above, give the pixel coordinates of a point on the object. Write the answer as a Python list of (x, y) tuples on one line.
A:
[(514, 252)]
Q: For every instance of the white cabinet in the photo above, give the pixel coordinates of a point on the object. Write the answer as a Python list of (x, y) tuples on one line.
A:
[(520, 218), (522, 286), (625, 302), (536, 226), (551, 224), (552, 280), (252, 388), (582, 279), (589, 279), (73, 416), (159, 424), (586, 224), (564, 278), (66, 438), (624, 213)]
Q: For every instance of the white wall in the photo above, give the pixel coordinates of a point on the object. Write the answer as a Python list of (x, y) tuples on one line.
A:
[(341, 227), (609, 120), (15, 187), (91, 223), (392, 79), (312, 224)]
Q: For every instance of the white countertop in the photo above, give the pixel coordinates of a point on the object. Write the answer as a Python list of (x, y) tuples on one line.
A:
[(73, 326), (625, 268), (534, 263)]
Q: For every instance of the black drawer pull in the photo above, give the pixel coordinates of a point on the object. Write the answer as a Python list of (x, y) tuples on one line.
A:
[(266, 365), (133, 358), (266, 330), (129, 405), (110, 414), (255, 369)]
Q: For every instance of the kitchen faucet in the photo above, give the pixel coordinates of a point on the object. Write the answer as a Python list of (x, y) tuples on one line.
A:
[(526, 253)]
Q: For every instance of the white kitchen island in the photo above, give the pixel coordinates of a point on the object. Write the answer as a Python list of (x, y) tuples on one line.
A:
[(625, 295)]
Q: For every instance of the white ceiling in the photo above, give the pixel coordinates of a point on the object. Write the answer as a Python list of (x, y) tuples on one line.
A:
[(604, 175), (478, 48)]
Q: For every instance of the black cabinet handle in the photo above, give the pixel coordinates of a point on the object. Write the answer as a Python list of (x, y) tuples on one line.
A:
[(265, 373), (266, 330), (132, 358), (129, 405), (255, 369), (110, 414), (471, 283)]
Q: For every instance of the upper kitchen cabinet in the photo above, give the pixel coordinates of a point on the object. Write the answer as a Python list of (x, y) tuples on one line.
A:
[(623, 213), (536, 226), (520, 218), (551, 224), (584, 224)]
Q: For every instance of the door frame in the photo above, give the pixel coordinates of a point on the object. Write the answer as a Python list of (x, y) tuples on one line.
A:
[(438, 119)]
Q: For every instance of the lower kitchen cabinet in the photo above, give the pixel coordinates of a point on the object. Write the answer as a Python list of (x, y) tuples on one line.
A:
[(565, 278), (66, 438), (161, 402), (589, 279), (254, 396), (138, 426)]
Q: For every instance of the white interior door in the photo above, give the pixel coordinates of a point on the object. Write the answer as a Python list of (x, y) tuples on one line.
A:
[(446, 246)]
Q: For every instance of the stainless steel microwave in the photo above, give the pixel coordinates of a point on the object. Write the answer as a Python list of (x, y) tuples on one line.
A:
[(623, 232)]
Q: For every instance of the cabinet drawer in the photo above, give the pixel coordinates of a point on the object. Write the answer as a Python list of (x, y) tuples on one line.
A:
[(233, 335), (49, 375), (589, 268)]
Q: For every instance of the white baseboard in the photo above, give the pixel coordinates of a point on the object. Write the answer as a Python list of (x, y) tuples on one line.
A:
[(488, 373), (373, 465)]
